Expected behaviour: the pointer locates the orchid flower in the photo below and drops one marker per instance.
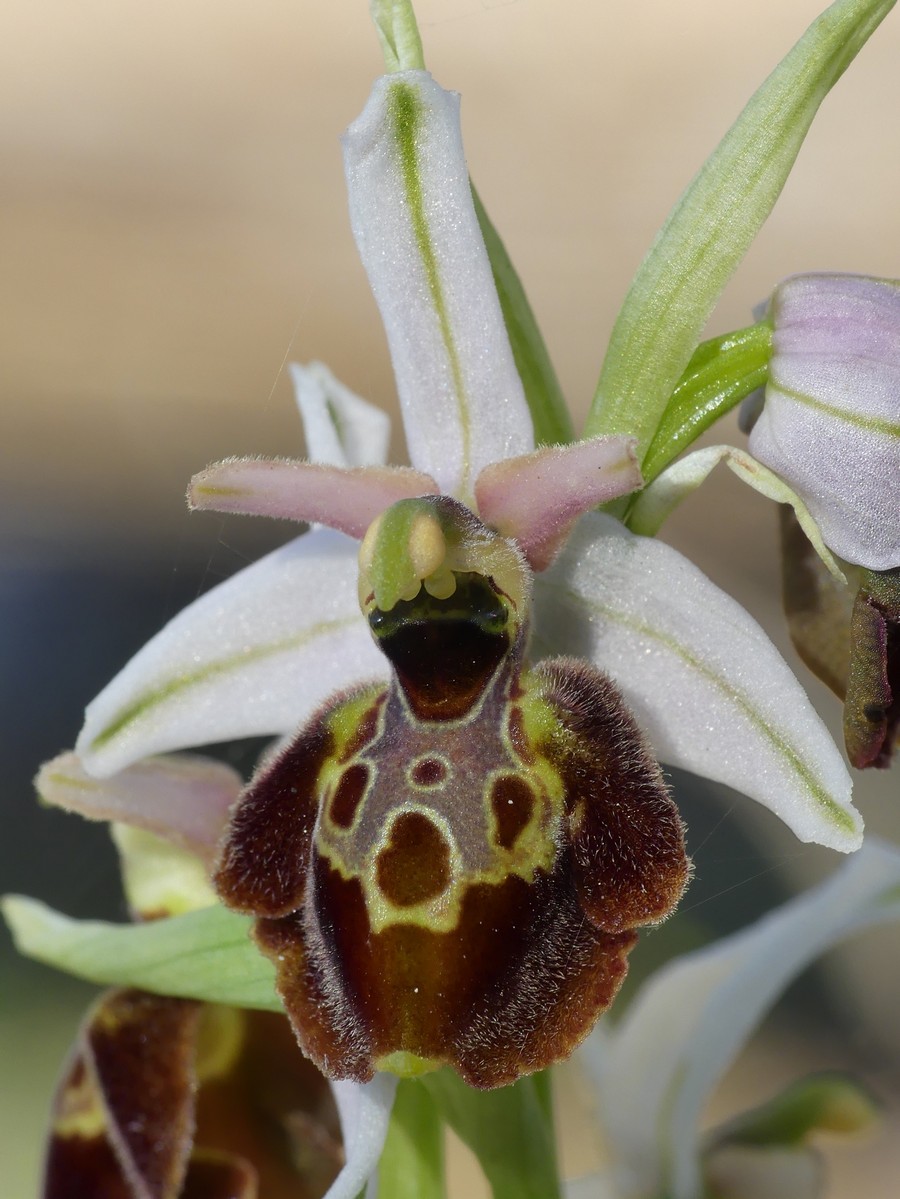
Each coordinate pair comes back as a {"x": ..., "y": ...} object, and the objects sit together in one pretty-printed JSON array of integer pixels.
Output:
[
  {"x": 261, "y": 652},
  {"x": 654, "y": 1071},
  {"x": 830, "y": 425},
  {"x": 468, "y": 667},
  {"x": 168, "y": 1096},
  {"x": 824, "y": 442}
]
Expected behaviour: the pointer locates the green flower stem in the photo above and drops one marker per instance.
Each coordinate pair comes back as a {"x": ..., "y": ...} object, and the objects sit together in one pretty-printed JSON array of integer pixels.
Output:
[
  {"x": 720, "y": 374},
  {"x": 401, "y": 45},
  {"x": 395, "y": 23},
  {"x": 412, "y": 1164},
  {"x": 712, "y": 225},
  {"x": 546, "y": 402},
  {"x": 509, "y": 1130}
]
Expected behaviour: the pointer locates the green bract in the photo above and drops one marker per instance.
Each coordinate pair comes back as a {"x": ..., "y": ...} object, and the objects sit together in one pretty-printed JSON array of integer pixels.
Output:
[{"x": 711, "y": 227}]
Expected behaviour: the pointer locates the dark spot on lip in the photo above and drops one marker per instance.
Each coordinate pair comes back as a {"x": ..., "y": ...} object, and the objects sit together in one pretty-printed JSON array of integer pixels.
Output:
[
  {"x": 414, "y": 866},
  {"x": 512, "y": 800},
  {"x": 428, "y": 772},
  {"x": 348, "y": 794}
]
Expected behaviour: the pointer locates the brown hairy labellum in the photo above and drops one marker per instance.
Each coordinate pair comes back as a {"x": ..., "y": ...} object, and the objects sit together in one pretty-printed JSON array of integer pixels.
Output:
[
  {"x": 170, "y": 1099},
  {"x": 448, "y": 870}
]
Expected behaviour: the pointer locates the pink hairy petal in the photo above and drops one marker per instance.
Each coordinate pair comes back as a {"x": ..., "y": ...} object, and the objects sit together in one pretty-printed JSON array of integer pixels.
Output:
[
  {"x": 537, "y": 497},
  {"x": 182, "y": 797},
  {"x": 347, "y": 499}
]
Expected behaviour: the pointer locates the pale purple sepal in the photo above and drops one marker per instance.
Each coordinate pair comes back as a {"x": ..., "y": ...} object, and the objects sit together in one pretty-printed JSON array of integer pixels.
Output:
[
  {"x": 536, "y": 498},
  {"x": 704, "y": 681},
  {"x": 340, "y": 427},
  {"x": 655, "y": 1070},
  {"x": 256, "y": 655},
  {"x": 365, "y": 1112},
  {"x": 414, "y": 222},
  {"x": 831, "y": 421},
  {"x": 343, "y": 499},
  {"x": 184, "y": 798}
]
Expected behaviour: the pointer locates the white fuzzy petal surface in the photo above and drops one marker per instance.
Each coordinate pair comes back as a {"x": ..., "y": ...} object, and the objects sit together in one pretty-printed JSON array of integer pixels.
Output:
[
  {"x": 256, "y": 655},
  {"x": 414, "y": 222},
  {"x": 704, "y": 681}
]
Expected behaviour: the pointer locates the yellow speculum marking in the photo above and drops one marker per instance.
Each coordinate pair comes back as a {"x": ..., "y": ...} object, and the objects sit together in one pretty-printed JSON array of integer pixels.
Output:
[
  {"x": 220, "y": 1038},
  {"x": 344, "y": 722},
  {"x": 533, "y": 849},
  {"x": 81, "y": 1112},
  {"x": 407, "y": 1065}
]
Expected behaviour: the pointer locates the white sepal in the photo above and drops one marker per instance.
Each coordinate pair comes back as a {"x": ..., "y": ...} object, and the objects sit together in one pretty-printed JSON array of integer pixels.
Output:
[
  {"x": 340, "y": 427},
  {"x": 254, "y": 656},
  {"x": 657, "y": 502},
  {"x": 414, "y": 222},
  {"x": 705, "y": 682},
  {"x": 830, "y": 425}
]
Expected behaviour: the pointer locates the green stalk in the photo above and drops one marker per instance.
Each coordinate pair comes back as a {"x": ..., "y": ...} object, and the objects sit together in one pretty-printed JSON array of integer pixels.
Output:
[
  {"x": 412, "y": 1163},
  {"x": 510, "y": 1131},
  {"x": 546, "y": 402},
  {"x": 721, "y": 372},
  {"x": 711, "y": 227}
]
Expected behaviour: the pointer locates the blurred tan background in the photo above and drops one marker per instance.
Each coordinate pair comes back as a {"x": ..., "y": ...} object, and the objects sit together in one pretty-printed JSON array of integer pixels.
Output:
[{"x": 174, "y": 230}]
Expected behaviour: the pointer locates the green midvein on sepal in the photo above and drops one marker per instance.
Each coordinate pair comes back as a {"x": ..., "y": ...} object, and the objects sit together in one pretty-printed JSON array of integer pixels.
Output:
[
  {"x": 406, "y": 116},
  {"x": 401, "y": 45},
  {"x": 153, "y": 697},
  {"x": 206, "y": 955}
]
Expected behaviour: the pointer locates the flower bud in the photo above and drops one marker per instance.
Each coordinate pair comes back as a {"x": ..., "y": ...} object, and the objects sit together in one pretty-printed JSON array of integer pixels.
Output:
[{"x": 830, "y": 426}]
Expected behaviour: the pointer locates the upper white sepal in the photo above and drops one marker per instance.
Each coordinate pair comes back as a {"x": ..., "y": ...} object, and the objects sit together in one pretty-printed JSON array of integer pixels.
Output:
[{"x": 415, "y": 225}]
